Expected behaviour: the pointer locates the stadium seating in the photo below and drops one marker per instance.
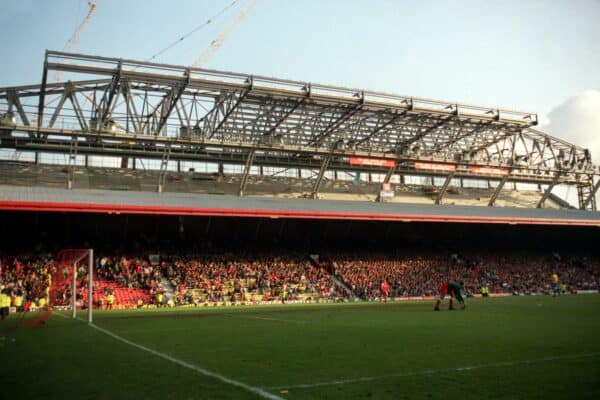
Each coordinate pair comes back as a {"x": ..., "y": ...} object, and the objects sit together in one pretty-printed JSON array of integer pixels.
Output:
[
  {"x": 28, "y": 273},
  {"x": 124, "y": 296},
  {"x": 263, "y": 276},
  {"x": 419, "y": 274},
  {"x": 232, "y": 277}
]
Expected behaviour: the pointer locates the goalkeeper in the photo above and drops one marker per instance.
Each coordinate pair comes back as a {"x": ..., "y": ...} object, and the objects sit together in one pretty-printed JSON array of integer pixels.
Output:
[{"x": 453, "y": 289}]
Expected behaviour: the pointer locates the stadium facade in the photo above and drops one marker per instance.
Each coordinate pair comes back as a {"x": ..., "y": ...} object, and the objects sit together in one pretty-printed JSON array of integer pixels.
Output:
[
  {"x": 123, "y": 149},
  {"x": 193, "y": 135}
]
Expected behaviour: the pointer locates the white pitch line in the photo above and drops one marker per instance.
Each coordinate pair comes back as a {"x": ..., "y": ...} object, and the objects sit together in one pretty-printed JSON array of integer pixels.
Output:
[
  {"x": 205, "y": 372},
  {"x": 431, "y": 371}
]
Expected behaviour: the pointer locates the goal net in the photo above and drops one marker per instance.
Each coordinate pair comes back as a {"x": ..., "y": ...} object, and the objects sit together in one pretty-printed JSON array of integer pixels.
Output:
[{"x": 74, "y": 279}]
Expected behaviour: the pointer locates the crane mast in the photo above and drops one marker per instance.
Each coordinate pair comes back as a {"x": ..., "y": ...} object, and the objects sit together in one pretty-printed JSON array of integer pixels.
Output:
[
  {"x": 216, "y": 44},
  {"x": 74, "y": 40}
]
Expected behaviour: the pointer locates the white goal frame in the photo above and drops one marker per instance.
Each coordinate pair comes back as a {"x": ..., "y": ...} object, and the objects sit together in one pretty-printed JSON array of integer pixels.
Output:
[{"x": 74, "y": 262}]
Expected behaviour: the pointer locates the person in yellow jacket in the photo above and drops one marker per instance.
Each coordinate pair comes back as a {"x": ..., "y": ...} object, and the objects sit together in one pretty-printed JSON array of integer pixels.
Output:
[
  {"x": 110, "y": 299},
  {"x": 485, "y": 291},
  {"x": 563, "y": 288},
  {"x": 554, "y": 284},
  {"x": 18, "y": 301},
  {"x": 4, "y": 303},
  {"x": 41, "y": 302}
]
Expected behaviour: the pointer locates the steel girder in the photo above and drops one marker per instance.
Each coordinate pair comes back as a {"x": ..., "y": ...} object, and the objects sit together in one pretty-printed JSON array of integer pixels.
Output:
[
  {"x": 444, "y": 188},
  {"x": 590, "y": 201},
  {"x": 548, "y": 191},
  {"x": 247, "y": 167},
  {"x": 324, "y": 164},
  {"x": 125, "y": 104},
  {"x": 497, "y": 191}
]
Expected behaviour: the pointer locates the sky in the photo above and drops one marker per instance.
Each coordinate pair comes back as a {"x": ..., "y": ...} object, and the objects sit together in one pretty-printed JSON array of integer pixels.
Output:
[{"x": 533, "y": 56}]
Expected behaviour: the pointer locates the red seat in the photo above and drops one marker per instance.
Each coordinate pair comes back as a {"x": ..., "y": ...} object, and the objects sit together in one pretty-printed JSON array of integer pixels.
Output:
[{"x": 123, "y": 295}]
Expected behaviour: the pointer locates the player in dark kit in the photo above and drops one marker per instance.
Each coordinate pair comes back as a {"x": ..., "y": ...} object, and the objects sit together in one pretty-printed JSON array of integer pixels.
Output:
[{"x": 453, "y": 289}]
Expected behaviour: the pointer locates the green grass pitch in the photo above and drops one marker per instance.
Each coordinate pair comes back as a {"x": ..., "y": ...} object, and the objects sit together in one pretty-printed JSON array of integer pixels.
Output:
[{"x": 500, "y": 348}]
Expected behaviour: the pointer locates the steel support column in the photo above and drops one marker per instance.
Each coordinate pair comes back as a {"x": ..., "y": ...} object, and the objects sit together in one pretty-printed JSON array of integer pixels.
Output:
[
  {"x": 66, "y": 95},
  {"x": 591, "y": 199},
  {"x": 546, "y": 194},
  {"x": 247, "y": 168},
  {"x": 106, "y": 103},
  {"x": 386, "y": 179},
  {"x": 496, "y": 193},
  {"x": 72, "y": 162},
  {"x": 163, "y": 168},
  {"x": 170, "y": 100},
  {"x": 13, "y": 99},
  {"x": 324, "y": 164},
  {"x": 444, "y": 188},
  {"x": 42, "y": 97}
]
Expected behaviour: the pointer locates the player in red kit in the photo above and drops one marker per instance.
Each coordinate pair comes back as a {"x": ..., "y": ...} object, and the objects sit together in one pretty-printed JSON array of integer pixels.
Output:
[
  {"x": 385, "y": 291},
  {"x": 453, "y": 289}
]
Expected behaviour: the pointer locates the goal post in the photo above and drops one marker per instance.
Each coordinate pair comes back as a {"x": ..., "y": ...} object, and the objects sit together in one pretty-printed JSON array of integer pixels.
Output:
[{"x": 72, "y": 258}]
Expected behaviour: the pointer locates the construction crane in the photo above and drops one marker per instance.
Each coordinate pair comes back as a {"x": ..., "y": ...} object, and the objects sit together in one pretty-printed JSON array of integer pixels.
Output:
[
  {"x": 220, "y": 39},
  {"x": 74, "y": 40}
]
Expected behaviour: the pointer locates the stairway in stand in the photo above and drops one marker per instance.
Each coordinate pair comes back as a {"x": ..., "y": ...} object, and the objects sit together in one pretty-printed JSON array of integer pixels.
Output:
[
  {"x": 330, "y": 268},
  {"x": 169, "y": 291}
]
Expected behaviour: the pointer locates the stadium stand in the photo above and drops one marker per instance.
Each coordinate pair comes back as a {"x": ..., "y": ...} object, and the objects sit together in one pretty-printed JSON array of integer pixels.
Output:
[
  {"x": 359, "y": 170},
  {"x": 230, "y": 278},
  {"x": 129, "y": 280},
  {"x": 29, "y": 275},
  {"x": 52, "y": 176},
  {"x": 420, "y": 274},
  {"x": 261, "y": 276},
  {"x": 124, "y": 296}
]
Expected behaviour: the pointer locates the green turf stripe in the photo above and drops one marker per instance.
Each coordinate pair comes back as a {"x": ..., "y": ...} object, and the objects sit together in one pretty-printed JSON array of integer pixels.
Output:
[{"x": 205, "y": 372}]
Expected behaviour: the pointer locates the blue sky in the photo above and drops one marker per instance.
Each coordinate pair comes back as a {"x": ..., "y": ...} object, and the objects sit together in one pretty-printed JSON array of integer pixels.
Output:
[
  {"x": 525, "y": 55},
  {"x": 535, "y": 56}
]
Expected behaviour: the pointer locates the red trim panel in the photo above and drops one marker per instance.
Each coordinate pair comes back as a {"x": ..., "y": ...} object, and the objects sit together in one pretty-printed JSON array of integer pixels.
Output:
[
  {"x": 260, "y": 213},
  {"x": 372, "y": 161}
]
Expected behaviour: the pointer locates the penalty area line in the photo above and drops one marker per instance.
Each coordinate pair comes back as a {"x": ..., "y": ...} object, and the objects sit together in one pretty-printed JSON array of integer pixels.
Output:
[
  {"x": 433, "y": 371},
  {"x": 256, "y": 390}
]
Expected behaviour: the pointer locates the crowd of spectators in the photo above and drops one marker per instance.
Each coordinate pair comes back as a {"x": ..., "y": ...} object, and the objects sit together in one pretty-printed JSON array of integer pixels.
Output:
[
  {"x": 221, "y": 277},
  {"x": 231, "y": 277},
  {"x": 28, "y": 278},
  {"x": 228, "y": 276},
  {"x": 131, "y": 272},
  {"x": 420, "y": 274}
]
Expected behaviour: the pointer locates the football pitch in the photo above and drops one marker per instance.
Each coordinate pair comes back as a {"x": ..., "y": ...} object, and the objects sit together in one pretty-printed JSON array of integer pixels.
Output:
[{"x": 498, "y": 348}]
